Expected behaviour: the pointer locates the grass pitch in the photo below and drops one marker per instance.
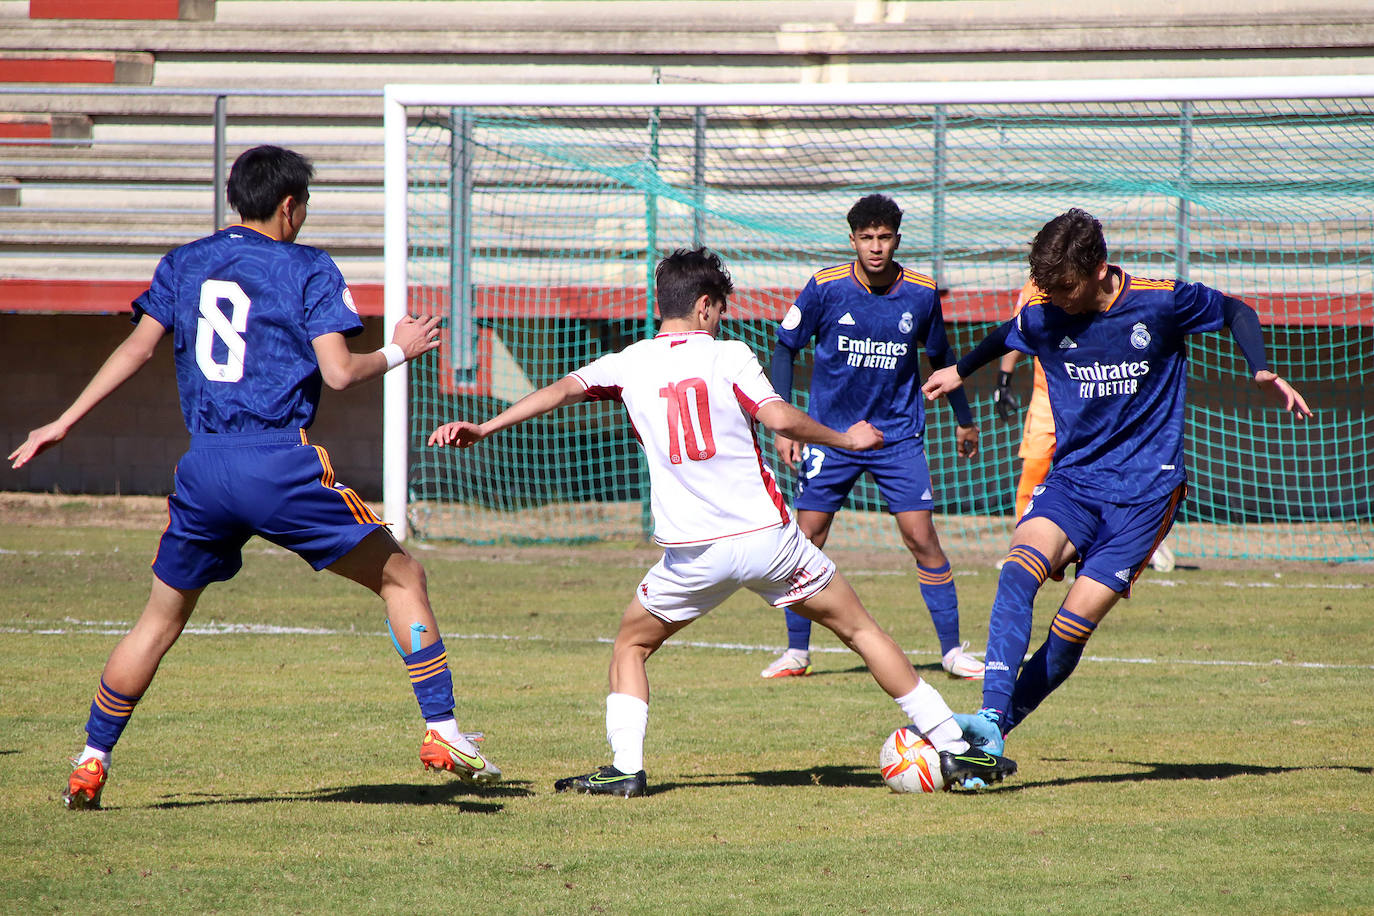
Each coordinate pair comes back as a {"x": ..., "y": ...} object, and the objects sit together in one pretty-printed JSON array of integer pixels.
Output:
[{"x": 1214, "y": 752}]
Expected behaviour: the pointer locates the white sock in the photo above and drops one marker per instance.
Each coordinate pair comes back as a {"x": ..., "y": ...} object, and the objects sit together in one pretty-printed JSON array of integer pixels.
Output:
[
  {"x": 88, "y": 752},
  {"x": 933, "y": 718},
  {"x": 627, "y": 719},
  {"x": 445, "y": 728}
]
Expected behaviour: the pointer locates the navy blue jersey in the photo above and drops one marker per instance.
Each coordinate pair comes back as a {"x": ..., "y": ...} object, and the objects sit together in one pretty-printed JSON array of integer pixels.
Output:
[
  {"x": 243, "y": 309},
  {"x": 1117, "y": 383},
  {"x": 865, "y": 367}
]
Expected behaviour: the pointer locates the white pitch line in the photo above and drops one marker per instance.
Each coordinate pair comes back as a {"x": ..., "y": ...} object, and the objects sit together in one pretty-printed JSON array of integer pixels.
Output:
[{"x": 211, "y": 628}]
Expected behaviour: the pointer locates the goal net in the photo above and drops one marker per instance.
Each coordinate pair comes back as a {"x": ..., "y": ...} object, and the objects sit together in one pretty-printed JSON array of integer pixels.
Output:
[{"x": 531, "y": 217}]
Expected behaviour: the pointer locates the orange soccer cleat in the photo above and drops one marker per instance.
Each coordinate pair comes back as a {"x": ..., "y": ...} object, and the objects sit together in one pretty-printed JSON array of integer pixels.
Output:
[
  {"x": 463, "y": 759},
  {"x": 85, "y": 784}
]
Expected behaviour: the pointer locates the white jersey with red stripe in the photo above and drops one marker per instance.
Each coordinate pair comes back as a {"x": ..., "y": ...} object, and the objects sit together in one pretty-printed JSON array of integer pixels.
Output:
[{"x": 692, "y": 400}]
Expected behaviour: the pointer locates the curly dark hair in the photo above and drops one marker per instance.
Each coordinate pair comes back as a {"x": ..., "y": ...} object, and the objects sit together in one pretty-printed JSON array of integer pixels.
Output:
[{"x": 875, "y": 210}]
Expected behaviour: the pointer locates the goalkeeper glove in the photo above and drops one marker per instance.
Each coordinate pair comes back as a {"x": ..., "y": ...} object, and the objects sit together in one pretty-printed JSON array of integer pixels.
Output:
[{"x": 1003, "y": 399}]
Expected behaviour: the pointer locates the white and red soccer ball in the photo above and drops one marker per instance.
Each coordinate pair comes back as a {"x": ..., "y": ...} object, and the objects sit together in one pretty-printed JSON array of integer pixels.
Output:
[{"x": 909, "y": 763}]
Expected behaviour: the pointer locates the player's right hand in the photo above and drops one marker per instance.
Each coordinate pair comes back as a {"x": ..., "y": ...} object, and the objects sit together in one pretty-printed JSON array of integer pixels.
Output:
[
  {"x": 417, "y": 336},
  {"x": 39, "y": 440},
  {"x": 459, "y": 433},
  {"x": 789, "y": 450},
  {"x": 864, "y": 436},
  {"x": 1004, "y": 399}
]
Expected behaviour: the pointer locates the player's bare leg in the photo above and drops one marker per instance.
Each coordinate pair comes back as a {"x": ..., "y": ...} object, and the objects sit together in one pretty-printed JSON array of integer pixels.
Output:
[
  {"x": 917, "y": 528},
  {"x": 381, "y": 565},
  {"x": 627, "y": 707},
  {"x": 135, "y": 659},
  {"x": 837, "y": 608},
  {"x": 127, "y": 674}
]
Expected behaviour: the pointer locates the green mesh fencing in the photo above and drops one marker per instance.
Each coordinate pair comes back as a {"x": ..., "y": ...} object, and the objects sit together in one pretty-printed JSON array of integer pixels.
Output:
[{"x": 536, "y": 231}]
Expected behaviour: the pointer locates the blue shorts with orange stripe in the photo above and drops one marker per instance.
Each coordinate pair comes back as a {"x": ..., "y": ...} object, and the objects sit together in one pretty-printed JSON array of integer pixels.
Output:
[
  {"x": 1114, "y": 540},
  {"x": 273, "y": 484}
]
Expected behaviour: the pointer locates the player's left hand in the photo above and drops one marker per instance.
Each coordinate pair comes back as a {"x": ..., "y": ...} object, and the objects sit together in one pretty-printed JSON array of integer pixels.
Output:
[
  {"x": 941, "y": 382},
  {"x": 39, "y": 441},
  {"x": 417, "y": 336},
  {"x": 459, "y": 433},
  {"x": 1285, "y": 393},
  {"x": 966, "y": 437}
]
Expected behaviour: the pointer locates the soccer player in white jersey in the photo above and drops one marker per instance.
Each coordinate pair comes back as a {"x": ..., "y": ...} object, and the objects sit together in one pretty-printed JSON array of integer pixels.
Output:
[
  {"x": 694, "y": 402},
  {"x": 258, "y": 324},
  {"x": 1114, "y": 350}
]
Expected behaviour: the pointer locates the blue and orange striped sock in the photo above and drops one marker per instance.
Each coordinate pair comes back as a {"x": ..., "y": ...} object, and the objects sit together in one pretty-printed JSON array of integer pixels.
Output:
[
  {"x": 1024, "y": 571},
  {"x": 1051, "y": 665},
  {"x": 431, "y": 680},
  {"x": 798, "y": 631},
  {"x": 942, "y": 600},
  {"x": 110, "y": 712}
]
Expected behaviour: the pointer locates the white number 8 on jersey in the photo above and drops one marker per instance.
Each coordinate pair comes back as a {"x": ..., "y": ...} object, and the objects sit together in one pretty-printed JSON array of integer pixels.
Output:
[{"x": 213, "y": 324}]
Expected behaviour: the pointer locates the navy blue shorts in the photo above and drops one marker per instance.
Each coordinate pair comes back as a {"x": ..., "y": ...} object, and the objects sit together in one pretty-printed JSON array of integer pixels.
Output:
[
  {"x": 273, "y": 484},
  {"x": 1114, "y": 540},
  {"x": 826, "y": 476}
]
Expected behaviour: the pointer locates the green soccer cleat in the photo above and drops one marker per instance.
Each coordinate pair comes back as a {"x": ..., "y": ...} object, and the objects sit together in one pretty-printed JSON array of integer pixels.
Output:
[
  {"x": 974, "y": 769},
  {"x": 605, "y": 781}
]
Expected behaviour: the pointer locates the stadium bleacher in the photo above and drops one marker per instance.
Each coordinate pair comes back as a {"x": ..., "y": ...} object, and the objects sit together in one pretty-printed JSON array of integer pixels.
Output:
[{"x": 107, "y": 127}]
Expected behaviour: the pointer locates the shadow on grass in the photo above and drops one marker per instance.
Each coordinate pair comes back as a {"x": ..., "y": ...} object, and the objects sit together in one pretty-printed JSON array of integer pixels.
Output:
[
  {"x": 844, "y": 777},
  {"x": 466, "y": 797},
  {"x": 1173, "y": 771},
  {"x": 930, "y": 671},
  {"x": 833, "y": 777}
]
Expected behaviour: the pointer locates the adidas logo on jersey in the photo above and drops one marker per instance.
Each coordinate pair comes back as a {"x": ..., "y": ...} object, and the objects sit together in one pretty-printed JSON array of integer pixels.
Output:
[
  {"x": 846, "y": 318},
  {"x": 1124, "y": 575},
  {"x": 1067, "y": 344}
]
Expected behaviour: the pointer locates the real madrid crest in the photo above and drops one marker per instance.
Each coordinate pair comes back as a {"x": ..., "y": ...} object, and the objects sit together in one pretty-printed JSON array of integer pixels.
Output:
[
  {"x": 904, "y": 325},
  {"x": 1140, "y": 337}
]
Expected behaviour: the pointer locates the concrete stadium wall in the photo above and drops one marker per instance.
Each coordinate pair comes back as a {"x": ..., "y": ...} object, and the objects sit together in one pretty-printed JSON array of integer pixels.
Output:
[{"x": 131, "y": 442}]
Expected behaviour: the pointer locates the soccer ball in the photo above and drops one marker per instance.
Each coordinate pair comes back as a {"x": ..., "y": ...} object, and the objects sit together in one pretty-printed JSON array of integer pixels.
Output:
[{"x": 909, "y": 763}]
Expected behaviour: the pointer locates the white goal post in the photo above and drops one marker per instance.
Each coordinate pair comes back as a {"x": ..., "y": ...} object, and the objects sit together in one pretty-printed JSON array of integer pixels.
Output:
[{"x": 401, "y": 100}]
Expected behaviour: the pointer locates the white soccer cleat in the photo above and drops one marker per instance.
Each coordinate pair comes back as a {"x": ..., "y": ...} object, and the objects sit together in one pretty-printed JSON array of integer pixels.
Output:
[
  {"x": 1163, "y": 558},
  {"x": 959, "y": 663},
  {"x": 791, "y": 663}
]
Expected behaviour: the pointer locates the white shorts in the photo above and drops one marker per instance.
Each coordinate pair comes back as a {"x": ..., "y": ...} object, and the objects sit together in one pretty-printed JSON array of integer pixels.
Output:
[{"x": 779, "y": 564}]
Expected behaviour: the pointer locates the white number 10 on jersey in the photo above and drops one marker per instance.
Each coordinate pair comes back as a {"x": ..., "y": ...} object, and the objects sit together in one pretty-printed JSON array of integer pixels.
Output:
[{"x": 213, "y": 324}]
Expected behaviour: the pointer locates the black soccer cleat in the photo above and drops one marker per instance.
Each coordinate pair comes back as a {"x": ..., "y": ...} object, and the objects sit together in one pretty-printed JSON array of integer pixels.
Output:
[
  {"x": 974, "y": 769},
  {"x": 607, "y": 781}
]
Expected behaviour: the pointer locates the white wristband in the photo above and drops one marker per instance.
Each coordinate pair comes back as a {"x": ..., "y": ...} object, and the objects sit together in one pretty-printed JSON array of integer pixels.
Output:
[{"x": 394, "y": 355}]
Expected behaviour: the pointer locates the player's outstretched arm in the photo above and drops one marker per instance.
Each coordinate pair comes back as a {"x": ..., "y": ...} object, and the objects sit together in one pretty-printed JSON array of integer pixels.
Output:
[
  {"x": 341, "y": 368},
  {"x": 782, "y": 418},
  {"x": 1284, "y": 393},
  {"x": 565, "y": 391},
  {"x": 130, "y": 356}
]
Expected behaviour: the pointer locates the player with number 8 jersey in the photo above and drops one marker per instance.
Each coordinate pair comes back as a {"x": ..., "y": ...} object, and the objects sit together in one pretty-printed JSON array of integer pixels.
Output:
[{"x": 258, "y": 326}]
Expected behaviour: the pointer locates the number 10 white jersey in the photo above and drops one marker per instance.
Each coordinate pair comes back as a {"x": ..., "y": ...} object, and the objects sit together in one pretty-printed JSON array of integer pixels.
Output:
[{"x": 692, "y": 400}]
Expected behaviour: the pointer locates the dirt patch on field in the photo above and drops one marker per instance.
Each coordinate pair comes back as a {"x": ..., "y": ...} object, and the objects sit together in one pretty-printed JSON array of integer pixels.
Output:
[{"x": 61, "y": 510}]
